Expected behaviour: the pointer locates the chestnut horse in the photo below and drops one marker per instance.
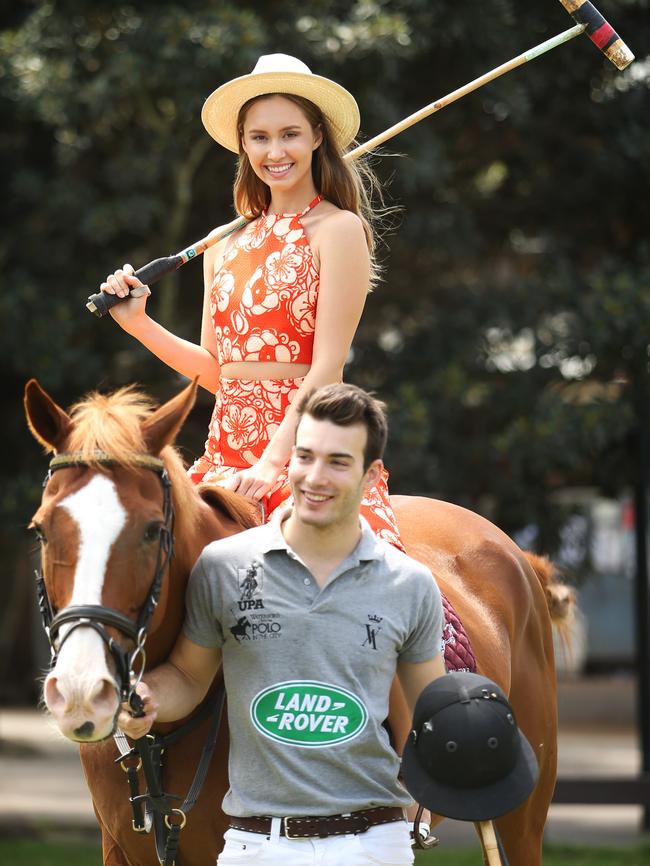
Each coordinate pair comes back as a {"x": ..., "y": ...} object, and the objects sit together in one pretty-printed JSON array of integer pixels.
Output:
[{"x": 100, "y": 523}]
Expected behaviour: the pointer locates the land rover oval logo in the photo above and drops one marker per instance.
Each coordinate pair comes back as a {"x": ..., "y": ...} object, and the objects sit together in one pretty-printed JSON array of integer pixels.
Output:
[{"x": 308, "y": 713}]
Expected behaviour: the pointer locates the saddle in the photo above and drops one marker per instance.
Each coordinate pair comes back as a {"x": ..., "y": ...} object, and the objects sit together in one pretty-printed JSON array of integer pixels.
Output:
[{"x": 456, "y": 644}]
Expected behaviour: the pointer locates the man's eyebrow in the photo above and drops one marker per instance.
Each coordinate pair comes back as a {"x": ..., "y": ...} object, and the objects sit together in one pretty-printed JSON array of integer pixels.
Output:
[{"x": 338, "y": 455}]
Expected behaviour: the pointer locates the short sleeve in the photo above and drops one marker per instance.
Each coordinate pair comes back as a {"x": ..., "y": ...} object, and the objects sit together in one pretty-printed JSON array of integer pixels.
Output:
[
  {"x": 203, "y": 606},
  {"x": 424, "y": 640}
]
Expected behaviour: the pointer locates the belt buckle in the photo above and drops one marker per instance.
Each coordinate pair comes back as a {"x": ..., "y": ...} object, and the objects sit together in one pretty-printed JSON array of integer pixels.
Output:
[{"x": 287, "y": 829}]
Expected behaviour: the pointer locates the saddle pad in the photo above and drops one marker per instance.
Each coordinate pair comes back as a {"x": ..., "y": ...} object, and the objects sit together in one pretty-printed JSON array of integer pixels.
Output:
[{"x": 455, "y": 642}]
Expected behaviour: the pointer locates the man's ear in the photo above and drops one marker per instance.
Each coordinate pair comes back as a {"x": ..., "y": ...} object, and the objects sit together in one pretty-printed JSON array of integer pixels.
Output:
[{"x": 373, "y": 474}]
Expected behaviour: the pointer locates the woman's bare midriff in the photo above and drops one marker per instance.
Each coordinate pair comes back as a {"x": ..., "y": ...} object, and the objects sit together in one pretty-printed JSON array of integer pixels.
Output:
[{"x": 263, "y": 370}]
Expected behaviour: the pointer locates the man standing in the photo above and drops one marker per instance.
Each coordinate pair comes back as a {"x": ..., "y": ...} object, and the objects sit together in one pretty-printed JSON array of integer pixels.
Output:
[{"x": 311, "y": 614}]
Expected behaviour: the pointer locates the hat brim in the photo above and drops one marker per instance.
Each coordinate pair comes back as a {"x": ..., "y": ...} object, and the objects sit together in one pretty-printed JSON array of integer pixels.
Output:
[
  {"x": 472, "y": 804},
  {"x": 221, "y": 108}
]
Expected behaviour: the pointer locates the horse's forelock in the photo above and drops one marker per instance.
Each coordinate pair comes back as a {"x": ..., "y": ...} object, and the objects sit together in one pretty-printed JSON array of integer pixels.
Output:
[{"x": 111, "y": 423}]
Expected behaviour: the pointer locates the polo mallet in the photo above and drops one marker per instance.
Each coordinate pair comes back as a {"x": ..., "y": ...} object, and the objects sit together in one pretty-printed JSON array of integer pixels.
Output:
[
  {"x": 588, "y": 20},
  {"x": 490, "y": 843},
  {"x": 487, "y": 833}
]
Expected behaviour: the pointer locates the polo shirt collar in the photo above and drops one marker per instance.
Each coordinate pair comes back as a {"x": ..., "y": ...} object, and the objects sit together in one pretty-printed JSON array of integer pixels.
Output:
[{"x": 368, "y": 548}]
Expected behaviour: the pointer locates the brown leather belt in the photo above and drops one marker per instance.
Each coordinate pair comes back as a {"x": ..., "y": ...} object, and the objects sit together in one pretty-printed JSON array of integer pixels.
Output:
[{"x": 314, "y": 825}]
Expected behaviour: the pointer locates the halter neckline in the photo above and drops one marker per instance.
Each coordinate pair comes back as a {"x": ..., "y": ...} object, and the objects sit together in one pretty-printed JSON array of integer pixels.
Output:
[{"x": 311, "y": 205}]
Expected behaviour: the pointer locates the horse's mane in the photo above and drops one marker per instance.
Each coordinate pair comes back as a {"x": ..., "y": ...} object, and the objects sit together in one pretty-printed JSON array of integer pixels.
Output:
[
  {"x": 239, "y": 509},
  {"x": 111, "y": 423}
]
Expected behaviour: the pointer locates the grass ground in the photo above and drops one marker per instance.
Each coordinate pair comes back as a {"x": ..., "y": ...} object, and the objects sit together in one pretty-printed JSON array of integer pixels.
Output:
[{"x": 22, "y": 852}]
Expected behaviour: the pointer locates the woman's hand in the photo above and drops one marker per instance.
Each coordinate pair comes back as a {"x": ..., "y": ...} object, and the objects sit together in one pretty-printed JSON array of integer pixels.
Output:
[
  {"x": 255, "y": 482},
  {"x": 121, "y": 283}
]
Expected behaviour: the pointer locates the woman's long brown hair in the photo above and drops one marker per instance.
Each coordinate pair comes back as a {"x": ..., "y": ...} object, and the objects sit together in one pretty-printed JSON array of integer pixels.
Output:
[{"x": 348, "y": 185}]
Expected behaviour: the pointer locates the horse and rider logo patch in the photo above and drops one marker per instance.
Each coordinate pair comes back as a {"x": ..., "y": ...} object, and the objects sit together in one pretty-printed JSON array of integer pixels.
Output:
[
  {"x": 250, "y": 582},
  {"x": 308, "y": 713},
  {"x": 250, "y": 625}
]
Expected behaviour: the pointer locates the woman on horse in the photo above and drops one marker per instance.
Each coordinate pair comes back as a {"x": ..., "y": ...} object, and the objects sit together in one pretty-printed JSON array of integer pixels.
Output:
[{"x": 283, "y": 295}]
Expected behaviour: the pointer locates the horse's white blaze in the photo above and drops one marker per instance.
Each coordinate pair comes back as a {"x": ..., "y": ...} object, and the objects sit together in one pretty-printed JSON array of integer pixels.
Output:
[
  {"x": 100, "y": 516},
  {"x": 96, "y": 509}
]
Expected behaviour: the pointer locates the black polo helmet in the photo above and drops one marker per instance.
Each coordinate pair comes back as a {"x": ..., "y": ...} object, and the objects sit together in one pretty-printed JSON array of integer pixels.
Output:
[{"x": 465, "y": 757}]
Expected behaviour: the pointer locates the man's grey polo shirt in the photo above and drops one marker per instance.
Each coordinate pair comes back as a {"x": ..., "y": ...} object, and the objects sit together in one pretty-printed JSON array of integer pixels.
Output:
[{"x": 308, "y": 670}]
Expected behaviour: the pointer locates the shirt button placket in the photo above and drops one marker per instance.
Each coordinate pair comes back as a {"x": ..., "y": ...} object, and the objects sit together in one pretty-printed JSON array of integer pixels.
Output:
[{"x": 311, "y": 589}]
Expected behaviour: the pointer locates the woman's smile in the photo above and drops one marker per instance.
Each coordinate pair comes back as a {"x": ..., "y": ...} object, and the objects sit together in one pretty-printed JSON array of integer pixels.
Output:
[{"x": 279, "y": 170}]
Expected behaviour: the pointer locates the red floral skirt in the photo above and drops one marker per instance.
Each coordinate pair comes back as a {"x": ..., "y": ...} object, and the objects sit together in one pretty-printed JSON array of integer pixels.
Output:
[{"x": 247, "y": 413}]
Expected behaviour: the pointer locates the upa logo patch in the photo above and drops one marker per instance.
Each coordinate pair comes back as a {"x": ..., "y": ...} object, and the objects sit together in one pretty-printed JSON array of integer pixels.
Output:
[
  {"x": 251, "y": 583},
  {"x": 308, "y": 713}
]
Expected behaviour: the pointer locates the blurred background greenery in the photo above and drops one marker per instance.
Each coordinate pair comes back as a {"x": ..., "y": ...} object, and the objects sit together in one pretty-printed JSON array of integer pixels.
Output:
[{"x": 510, "y": 333}]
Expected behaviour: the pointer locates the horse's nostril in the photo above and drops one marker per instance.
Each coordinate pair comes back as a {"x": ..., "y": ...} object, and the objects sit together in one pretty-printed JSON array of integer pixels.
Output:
[
  {"x": 54, "y": 699},
  {"x": 105, "y": 693},
  {"x": 84, "y": 731}
]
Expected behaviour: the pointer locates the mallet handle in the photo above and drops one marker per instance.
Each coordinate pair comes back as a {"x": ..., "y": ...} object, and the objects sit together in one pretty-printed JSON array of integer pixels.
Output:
[
  {"x": 485, "y": 830},
  {"x": 101, "y": 302},
  {"x": 497, "y": 72},
  {"x": 581, "y": 10}
]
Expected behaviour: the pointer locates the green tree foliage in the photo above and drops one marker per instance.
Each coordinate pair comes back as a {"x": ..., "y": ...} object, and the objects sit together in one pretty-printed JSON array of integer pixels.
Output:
[
  {"x": 513, "y": 314},
  {"x": 513, "y": 323}
]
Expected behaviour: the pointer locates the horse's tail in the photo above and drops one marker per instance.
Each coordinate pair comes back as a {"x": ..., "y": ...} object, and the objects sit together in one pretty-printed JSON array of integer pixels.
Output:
[{"x": 560, "y": 598}]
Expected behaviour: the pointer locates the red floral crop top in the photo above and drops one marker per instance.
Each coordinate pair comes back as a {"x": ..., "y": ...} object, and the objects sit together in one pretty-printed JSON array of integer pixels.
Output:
[{"x": 264, "y": 295}]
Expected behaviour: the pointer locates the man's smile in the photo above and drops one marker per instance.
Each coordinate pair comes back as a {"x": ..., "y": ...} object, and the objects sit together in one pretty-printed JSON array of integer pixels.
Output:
[{"x": 315, "y": 497}]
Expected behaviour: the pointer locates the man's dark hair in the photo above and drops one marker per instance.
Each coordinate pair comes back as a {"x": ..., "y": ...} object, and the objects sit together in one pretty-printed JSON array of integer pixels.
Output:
[{"x": 346, "y": 405}]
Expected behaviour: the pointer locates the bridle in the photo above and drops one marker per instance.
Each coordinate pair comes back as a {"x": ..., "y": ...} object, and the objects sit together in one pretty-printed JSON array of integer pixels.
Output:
[
  {"x": 98, "y": 616},
  {"x": 161, "y": 809}
]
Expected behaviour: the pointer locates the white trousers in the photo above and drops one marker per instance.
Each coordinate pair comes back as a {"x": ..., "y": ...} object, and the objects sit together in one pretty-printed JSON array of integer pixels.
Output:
[{"x": 381, "y": 845}]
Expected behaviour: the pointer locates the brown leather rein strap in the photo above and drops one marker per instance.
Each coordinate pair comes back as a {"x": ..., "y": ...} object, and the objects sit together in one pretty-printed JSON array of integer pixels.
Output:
[{"x": 316, "y": 826}]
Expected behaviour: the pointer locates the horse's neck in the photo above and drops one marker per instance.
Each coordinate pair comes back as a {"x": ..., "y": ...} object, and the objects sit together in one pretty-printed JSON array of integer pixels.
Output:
[{"x": 213, "y": 525}]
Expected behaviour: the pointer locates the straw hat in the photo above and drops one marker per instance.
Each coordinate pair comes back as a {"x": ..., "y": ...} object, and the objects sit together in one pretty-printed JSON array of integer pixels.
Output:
[{"x": 279, "y": 73}]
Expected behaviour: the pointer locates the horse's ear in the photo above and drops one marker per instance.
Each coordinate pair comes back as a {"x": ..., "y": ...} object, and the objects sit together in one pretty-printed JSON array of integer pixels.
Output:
[
  {"x": 162, "y": 427},
  {"x": 49, "y": 424}
]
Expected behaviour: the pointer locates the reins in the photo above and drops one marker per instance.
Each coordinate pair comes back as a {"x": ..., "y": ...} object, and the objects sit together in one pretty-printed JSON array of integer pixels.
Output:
[{"x": 160, "y": 812}]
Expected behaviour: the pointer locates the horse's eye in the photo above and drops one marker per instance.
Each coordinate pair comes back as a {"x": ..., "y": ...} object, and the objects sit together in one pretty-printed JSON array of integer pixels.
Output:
[{"x": 152, "y": 532}]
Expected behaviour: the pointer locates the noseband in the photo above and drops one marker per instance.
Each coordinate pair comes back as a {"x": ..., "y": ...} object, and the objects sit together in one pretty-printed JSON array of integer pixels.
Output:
[{"x": 97, "y": 616}]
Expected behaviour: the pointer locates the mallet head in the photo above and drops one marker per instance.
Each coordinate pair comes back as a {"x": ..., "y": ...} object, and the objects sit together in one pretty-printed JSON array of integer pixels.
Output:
[{"x": 599, "y": 31}]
